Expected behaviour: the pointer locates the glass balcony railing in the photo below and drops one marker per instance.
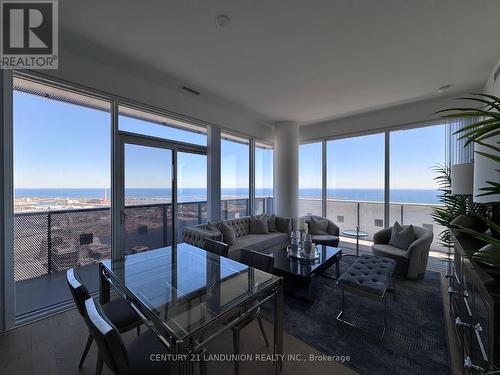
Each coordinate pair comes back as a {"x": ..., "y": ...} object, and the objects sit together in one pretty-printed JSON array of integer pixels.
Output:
[
  {"x": 48, "y": 242},
  {"x": 370, "y": 215}
]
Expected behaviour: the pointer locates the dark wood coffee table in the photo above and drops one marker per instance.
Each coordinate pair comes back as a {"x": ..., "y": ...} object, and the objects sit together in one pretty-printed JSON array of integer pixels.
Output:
[{"x": 298, "y": 272}]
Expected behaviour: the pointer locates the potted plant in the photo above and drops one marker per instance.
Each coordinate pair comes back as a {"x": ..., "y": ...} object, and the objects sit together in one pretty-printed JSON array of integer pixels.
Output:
[
  {"x": 484, "y": 129},
  {"x": 451, "y": 207}
]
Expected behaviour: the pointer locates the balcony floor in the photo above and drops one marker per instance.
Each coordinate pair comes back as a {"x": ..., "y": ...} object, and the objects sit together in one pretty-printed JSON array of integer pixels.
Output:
[{"x": 50, "y": 290}]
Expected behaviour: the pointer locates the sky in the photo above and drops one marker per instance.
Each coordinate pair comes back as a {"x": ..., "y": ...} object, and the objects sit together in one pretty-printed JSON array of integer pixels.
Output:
[
  {"x": 358, "y": 162},
  {"x": 61, "y": 145}
]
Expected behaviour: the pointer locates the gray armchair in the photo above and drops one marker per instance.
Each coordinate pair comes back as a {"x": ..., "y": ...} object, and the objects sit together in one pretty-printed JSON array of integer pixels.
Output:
[
  {"x": 411, "y": 263},
  {"x": 330, "y": 238}
]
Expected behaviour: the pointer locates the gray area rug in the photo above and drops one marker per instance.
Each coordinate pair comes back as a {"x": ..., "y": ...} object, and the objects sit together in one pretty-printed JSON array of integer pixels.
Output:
[{"x": 415, "y": 341}]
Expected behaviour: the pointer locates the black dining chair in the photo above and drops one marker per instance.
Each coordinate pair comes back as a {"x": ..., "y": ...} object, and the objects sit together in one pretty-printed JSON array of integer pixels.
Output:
[
  {"x": 216, "y": 247},
  {"x": 133, "y": 359},
  {"x": 262, "y": 262},
  {"x": 119, "y": 311}
]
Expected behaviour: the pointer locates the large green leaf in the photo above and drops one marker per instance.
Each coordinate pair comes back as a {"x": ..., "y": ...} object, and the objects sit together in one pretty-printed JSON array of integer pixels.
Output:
[{"x": 482, "y": 236}]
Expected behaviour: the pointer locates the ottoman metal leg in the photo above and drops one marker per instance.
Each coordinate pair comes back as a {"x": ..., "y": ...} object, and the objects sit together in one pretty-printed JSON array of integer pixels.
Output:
[{"x": 341, "y": 313}]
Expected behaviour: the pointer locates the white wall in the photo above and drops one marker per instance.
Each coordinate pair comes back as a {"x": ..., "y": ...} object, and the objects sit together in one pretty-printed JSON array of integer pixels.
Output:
[
  {"x": 405, "y": 114},
  {"x": 83, "y": 70}
]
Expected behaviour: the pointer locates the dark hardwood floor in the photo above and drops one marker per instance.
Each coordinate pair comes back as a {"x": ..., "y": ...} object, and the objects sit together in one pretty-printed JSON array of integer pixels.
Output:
[{"x": 54, "y": 346}]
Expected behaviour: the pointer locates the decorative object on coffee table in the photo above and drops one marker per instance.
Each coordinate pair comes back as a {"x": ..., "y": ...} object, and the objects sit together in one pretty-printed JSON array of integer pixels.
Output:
[{"x": 301, "y": 272}]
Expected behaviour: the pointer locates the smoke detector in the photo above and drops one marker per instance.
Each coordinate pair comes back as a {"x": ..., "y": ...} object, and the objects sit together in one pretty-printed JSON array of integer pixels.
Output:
[{"x": 222, "y": 20}]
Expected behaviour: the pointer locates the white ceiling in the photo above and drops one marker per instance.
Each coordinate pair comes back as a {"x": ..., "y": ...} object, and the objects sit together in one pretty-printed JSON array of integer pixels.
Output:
[{"x": 299, "y": 60}]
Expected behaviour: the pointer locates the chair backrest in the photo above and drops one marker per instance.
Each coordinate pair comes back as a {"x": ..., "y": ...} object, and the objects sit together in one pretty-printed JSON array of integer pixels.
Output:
[
  {"x": 216, "y": 247},
  {"x": 78, "y": 290},
  {"x": 257, "y": 260},
  {"x": 108, "y": 339}
]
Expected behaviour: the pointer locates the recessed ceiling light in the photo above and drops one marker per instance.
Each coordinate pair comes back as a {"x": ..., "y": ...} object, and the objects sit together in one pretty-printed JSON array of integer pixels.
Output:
[
  {"x": 444, "y": 88},
  {"x": 222, "y": 20}
]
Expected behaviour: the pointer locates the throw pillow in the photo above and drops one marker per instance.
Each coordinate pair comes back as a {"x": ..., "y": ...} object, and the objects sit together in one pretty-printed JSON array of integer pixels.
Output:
[
  {"x": 402, "y": 237},
  {"x": 271, "y": 223},
  {"x": 212, "y": 227},
  {"x": 258, "y": 224},
  {"x": 228, "y": 233},
  {"x": 318, "y": 226},
  {"x": 283, "y": 224}
]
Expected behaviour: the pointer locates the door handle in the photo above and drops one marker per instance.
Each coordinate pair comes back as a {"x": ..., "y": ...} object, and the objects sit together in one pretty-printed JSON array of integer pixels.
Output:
[{"x": 123, "y": 216}]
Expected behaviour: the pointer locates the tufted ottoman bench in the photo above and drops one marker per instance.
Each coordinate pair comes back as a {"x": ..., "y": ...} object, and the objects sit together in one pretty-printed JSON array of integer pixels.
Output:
[{"x": 369, "y": 276}]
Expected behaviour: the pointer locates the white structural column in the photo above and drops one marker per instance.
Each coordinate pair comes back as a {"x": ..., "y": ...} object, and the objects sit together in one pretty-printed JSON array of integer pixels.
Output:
[
  {"x": 287, "y": 169},
  {"x": 213, "y": 167}
]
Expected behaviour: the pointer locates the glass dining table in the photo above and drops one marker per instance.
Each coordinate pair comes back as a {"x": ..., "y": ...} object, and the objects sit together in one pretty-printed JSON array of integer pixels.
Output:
[{"x": 189, "y": 296}]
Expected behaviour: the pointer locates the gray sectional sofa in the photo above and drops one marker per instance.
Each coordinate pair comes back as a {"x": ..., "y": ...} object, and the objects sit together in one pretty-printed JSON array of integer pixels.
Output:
[{"x": 264, "y": 243}]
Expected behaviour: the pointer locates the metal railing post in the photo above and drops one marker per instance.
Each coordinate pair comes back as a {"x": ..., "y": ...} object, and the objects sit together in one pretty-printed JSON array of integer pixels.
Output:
[
  {"x": 225, "y": 209},
  {"x": 357, "y": 219},
  {"x": 49, "y": 243},
  {"x": 401, "y": 214},
  {"x": 165, "y": 225},
  {"x": 199, "y": 212}
]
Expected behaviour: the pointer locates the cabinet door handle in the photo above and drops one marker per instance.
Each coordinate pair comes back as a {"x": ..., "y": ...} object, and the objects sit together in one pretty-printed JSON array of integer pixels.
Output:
[
  {"x": 459, "y": 323},
  {"x": 469, "y": 365}
]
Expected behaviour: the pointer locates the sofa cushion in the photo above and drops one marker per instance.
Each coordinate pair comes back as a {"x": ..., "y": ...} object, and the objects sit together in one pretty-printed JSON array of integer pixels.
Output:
[
  {"x": 318, "y": 226},
  {"x": 271, "y": 223},
  {"x": 402, "y": 237},
  {"x": 241, "y": 225},
  {"x": 228, "y": 233},
  {"x": 390, "y": 251},
  {"x": 258, "y": 224},
  {"x": 283, "y": 224},
  {"x": 325, "y": 239},
  {"x": 214, "y": 227}
]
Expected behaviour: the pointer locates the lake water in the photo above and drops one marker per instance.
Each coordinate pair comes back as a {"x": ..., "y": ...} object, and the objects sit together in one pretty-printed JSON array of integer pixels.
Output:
[{"x": 195, "y": 194}]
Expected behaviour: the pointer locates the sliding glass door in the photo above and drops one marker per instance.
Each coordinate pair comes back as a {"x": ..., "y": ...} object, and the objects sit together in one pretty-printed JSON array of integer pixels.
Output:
[
  {"x": 147, "y": 212},
  {"x": 191, "y": 191},
  {"x": 355, "y": 183},
  {"x": 414, "y": 190},
  {"x": 161, "y": 179}
]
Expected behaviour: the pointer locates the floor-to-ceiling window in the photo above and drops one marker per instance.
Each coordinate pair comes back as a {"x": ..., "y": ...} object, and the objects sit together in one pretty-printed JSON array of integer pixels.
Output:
[
  {"x": 235, "y": 176},
  {"x": 310, "y": 179},
  {"x": 61, "y": 190},
  {"x": 413, "y": 188},
  {"x": 191, "y": 191},
  {"x": 264, "y": 178},
  {"x": 359, "y": 191},
  {"x": 355, "y": 183},
  {"x": 65, "y": 149}
]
